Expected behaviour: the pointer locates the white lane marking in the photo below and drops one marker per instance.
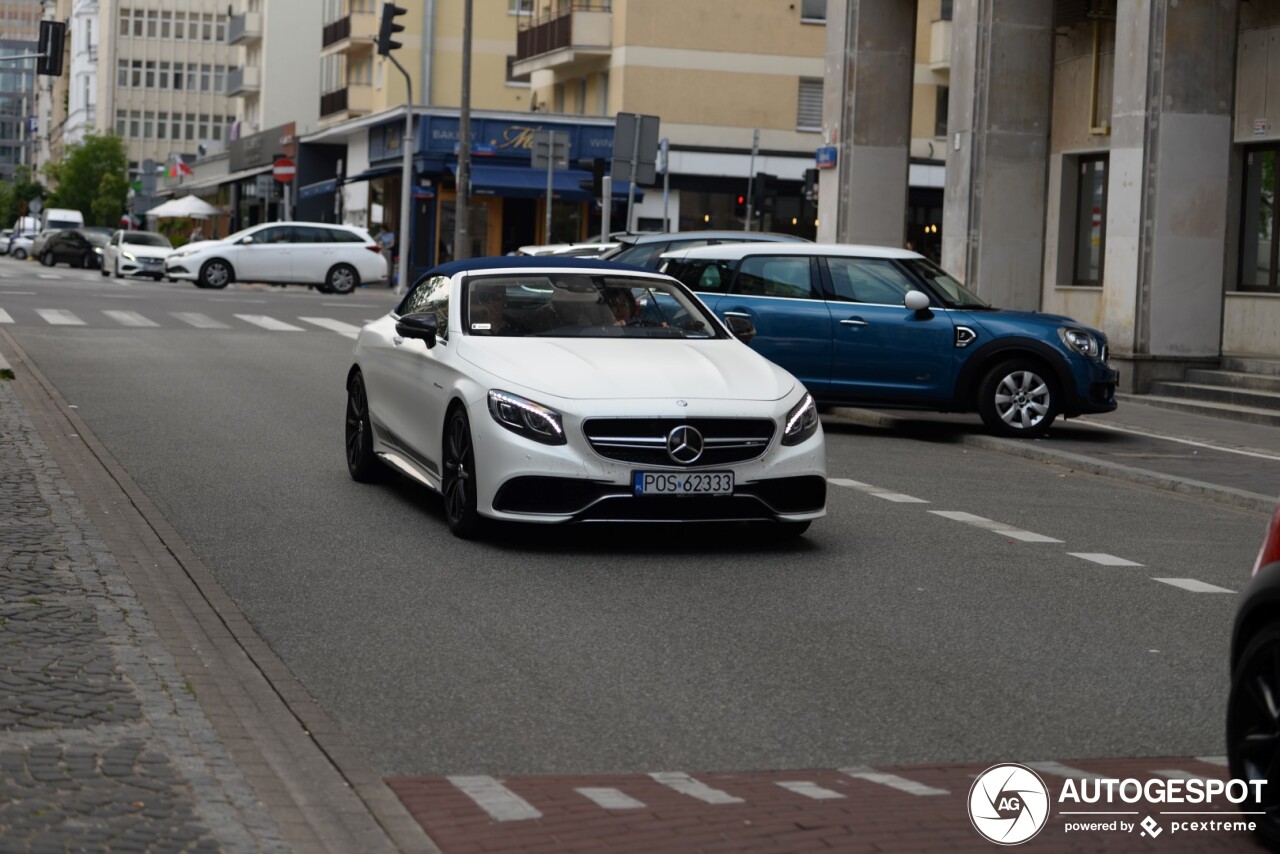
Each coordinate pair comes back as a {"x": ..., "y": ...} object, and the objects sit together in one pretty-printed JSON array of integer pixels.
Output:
[
  {"x": 1192, "y": 442},
  {"x": 877, "y": 491},
  {"x": 129, "y": 318},
  {"x": 809, "y": 790},
  {"x": 199, "y": 321},
  {"x": 1057, "y": 769},
  {"x": 686, "y": 785},
  {"x": 996, "y": 527},
  {"x": 1213, "y": 760},
  {"x": 224, "y": 299},
  {"x": 48, "y": 275},
  {"x": 854, "y": 484},
  {"x": 1176, "y": 774},
  {"x": 1103, "y": 558},
  {"x": 610, "y": 799},
  {"x": 1193, "y": 585},
  {"x": 347, "y": 305},
  {"x": 899, "y": 498},
  {"x": 5, "y": 317},
  {"x": 893, "y": 781},
  {"x": 335, "y": 325},
  {"x": 494, "y": 798},
  {"x": 18, "y": 293},
  {"x": 59, "y": 317},
  {"x": 269, "y": 323}
]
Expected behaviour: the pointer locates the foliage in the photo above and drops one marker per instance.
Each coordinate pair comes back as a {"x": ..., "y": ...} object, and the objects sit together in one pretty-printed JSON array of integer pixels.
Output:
[
  {"x": 91, "y": 179},
  {"x": 13, "y": 194}
]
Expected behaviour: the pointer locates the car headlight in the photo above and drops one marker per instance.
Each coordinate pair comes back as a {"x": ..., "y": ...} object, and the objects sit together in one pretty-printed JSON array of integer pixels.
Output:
[
  {"x": 97, "y": 250},
  {"x": 128, "y": 256},
  {"x": 802, "y": 421},
  {"x": 1080, "y": 341},
  {"x": 531, "y": 420}
]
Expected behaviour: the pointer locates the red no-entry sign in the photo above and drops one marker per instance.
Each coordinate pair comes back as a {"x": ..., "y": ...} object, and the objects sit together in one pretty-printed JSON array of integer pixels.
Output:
[{"x": 284, "y": 170}]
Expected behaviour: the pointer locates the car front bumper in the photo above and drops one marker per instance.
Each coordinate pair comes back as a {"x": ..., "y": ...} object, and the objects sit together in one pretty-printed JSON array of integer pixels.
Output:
[{"x": 1095, "y": 389}]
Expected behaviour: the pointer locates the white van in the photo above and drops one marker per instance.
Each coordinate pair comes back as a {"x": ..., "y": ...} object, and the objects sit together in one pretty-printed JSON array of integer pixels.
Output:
[
  {"x": 60, "y": 218},
  {"x": 26, "y": 225}
]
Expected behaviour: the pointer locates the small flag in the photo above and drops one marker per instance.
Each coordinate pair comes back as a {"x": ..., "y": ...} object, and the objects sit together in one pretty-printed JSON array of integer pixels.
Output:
[{"x": 178, "y": 167}]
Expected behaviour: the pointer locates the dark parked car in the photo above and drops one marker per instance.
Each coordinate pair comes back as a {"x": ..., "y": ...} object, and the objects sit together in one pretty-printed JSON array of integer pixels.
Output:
[
  {"x": 873, "y": 326},
  {"x": 79, "y": 247},
  {"x": 645, "y": 250},
  {"x": 1253, "y": 706}
]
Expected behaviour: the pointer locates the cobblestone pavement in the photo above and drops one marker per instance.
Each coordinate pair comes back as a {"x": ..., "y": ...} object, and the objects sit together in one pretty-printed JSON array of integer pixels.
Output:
[{"x": 102, "y": 743}]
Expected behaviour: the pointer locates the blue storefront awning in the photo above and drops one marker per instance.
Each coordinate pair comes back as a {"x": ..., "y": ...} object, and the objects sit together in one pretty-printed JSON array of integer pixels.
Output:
[
  {"x": 375, "y": 172},
  {"x": 525, "y": 183}
]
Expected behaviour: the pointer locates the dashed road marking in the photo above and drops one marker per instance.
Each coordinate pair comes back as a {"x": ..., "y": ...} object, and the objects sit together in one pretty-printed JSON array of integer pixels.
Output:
[
  {"x": 1193, "y": 585},
  {"x": 686, "y": 785},
  {"x": 130, "y": 318},
  {"x": 59, "y": 317},
  {"x": 334, "y": 325},
  {"x": 494, "y": 798},
  {"x": 1057, "y": 769},
  {"x": 995, "y": 527},
  {"x": 199, "y": 321},
  {"x": 48, "y": 275},
  {"x": 893, "y": 781},
  {"x": 809, "y": 790},
  {"x": 269, "y": 323},
  {"x": 610, "y": 799},
  {"x": 5, "y": 317},
  {"x": 877, "y": 491},
  {"x": 899, "y": 498},
  {"x": 1103, "y": 559}
]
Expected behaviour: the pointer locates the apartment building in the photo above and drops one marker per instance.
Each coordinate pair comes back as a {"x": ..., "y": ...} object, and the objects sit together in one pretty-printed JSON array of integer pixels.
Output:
[
  {"x": 19, "y": 29},
  {"x": 274, "y": 80}
]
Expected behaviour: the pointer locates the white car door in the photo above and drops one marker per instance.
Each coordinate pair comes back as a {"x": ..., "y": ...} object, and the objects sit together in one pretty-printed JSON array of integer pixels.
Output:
[
  {"x": 313, "y": 254},
  {"x": 268, "y": 258}
]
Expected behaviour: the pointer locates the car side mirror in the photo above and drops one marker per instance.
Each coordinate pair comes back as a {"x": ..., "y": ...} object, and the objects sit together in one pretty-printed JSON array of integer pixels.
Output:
[
  {"x": 246, "y": 240},
  {"x": 916, "y": 301},
  {"x": 741, "y": 327},
  {"x": 422, "y": 326}
]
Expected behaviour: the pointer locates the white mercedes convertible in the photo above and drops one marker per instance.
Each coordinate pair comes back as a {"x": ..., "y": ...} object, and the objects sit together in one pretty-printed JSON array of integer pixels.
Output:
[{"x": 560, "y": 390}]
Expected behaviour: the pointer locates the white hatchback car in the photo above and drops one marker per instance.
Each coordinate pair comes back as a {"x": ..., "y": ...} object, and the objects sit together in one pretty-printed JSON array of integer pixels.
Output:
[
  {"x": 136, "y": 253},
  {"x": 333, "y": 258},
  {"x": 564, "y": 390}
]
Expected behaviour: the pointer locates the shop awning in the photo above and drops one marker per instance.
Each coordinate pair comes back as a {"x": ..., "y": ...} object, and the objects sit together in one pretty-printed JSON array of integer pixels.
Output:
[
  {"x": 525, "y": 183},
  {"x": 375, "y": 172}
]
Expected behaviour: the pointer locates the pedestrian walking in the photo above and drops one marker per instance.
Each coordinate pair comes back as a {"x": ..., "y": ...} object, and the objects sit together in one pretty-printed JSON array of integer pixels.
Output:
[{"x": 387, "y": 238}]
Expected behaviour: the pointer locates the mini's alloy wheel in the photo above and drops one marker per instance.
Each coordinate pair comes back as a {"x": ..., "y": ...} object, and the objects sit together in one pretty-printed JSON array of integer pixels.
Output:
[
  {"x": 362, "y": 463},
  {"x": 1018, "y": 398},
  {"x": 459, "y": 482},
  {"x": 1253, "y": 729},
  {"x": 215, "y": 274},
  {"x": 342, "y": 279}
]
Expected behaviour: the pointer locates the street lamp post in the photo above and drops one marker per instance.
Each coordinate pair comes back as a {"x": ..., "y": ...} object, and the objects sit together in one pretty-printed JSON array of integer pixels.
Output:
[{"x": 462, "y": 207}]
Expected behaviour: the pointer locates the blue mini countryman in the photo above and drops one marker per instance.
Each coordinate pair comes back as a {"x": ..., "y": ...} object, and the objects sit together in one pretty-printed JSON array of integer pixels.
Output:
[{"x": 871, "y": 326}]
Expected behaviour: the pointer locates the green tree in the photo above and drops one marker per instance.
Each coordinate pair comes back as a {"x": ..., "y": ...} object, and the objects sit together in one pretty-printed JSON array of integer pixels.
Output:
[
  {"x": 13, "y": 194},
  {"x": 91, "y": 179}
]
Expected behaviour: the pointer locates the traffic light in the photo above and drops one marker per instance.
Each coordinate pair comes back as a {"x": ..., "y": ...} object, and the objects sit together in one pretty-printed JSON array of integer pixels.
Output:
[
  {"x": 811, "y": 185},
  {"x": 740, "y": 207},
  {"x": 389, "y": 28},
  {"x": 762, "y": 193},
  {"x": 53, "y": 35},
  {"x": 595, "y": 184}
]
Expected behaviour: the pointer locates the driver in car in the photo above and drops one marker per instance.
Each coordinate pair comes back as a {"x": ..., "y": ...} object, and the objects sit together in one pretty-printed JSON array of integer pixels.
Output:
[{"x": 489, "y": 311}]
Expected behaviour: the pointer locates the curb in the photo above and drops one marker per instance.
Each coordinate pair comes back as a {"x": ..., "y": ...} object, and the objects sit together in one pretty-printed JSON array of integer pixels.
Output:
[{"x": 1033, "y": 451}]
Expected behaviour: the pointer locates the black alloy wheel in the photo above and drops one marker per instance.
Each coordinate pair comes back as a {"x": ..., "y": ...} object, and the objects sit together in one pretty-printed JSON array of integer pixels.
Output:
[
  {"x": 1253, "y": 729},
  {"x": 342, "y": 279},
  {"x": 363, "y": 465},
  {"x": 459, "y": 482},
  {"x": 1018, "y": 398},
  {"x": 215, "y": 274}
]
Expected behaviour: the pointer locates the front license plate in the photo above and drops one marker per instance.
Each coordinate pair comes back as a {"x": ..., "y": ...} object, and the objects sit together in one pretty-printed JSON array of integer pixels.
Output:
[{"x": 682, "y": 483}]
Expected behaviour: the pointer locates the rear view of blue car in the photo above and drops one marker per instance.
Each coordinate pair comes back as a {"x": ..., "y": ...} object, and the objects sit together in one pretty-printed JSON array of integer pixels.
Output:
[{"x": 871, "y": 326}]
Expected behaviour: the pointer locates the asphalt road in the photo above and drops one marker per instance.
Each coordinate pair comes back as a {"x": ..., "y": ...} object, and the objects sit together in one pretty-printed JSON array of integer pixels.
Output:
[{"x": 888, "y": 634}]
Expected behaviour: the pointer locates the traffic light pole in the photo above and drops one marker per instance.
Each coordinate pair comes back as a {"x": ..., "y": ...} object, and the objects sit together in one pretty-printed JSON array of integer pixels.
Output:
[
  {"x": 462, "y": 207},
  {"x": 404, "y": 235},
  {"x": 751, "y": 177}
]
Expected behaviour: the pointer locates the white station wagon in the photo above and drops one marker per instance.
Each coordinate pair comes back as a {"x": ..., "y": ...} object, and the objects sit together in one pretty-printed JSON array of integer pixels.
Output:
[{"x": 333, "y": 258}]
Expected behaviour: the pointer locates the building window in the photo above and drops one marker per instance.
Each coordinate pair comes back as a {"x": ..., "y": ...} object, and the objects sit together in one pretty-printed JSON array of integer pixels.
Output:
[
  {"x": 180, "y": 25},
  {"x": 944, "y": 13},
  {"x": 164, "y": 75},
  {"x": 177, "y": 75},
  {"x": 153, "y": 18},
  {"x": 558, "y": 104},
  {"x": 582, "y": 96},
  {"x": 519, "y": 7},
  {"x": 134, "y": 119},
  {"x": 602, "y": 91},
  {"x": 513, "y": 80},
  {"x": 138, "y": 22},
  {"x": 122, "y": 73},
  {"x": 942, "y": 99},
  {"x": 813, "y": 11},
  {"x": 148, "y": 121},
  {"x": 809, "y": 104},
  {"x": 1260, "y": 249},
  {"x": 135, "y": 76},
  {"x": 151, "y": 75},
  {"x": 206, "y": 77},
  {"x": 120, "y": 122},
  {"x": 166, "y": 25},
  {"x": 125, "y": 16},
  {"x": 162, "y": 126},
  {"x": 219, "y": 79},
  {"x": 220, "y": 32},
  {"x": 1091, "y": 220}
]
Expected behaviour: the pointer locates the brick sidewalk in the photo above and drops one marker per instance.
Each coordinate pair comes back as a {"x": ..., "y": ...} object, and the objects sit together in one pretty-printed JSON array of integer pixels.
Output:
[{"x": 920, "y": 808}]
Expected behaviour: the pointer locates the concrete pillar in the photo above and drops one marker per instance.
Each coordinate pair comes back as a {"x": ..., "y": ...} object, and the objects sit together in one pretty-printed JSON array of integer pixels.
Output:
[
  {"x": 1168, "y": 190},
  {"x": 993, "y": 214},
  {"x": 867, "y": 104}
]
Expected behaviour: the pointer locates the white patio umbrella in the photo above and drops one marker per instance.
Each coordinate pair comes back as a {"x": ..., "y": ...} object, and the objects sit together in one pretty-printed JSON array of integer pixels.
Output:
[{"x": 187, "y": 206}]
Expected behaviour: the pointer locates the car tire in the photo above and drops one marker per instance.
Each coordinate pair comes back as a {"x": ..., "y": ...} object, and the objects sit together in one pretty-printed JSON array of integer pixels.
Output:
[
  {"x": 363, "y": 465},
  {"x": 458, "y": 485},
  {"x": 46, "y": 258},
  {"x": 119, "y": 275},
  {"x": 1253, "y": 732},
  {"x": 103, "y": 270},
  {"x": 323, "y": 288},
  {"x": 1019, "y": 398},
  {"x": 342, "y": 279},
  {"x": 215, "y": 273},
  {"x": 19, "y": 254}
]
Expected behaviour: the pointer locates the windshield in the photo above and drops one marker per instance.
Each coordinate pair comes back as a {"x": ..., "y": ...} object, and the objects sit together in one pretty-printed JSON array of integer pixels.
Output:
[
  {"x": 97, "y": 238},
  {"x": 953, "y": 294},
  {"x": 142, "y": 238},
  {"x": 575, "y": 305},
  {"x": 59, "y": 224}
]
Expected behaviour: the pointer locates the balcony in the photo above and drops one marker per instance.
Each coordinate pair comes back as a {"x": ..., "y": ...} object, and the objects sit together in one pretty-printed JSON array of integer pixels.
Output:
[
  {"x": 346, "y": 103},
  {"x": 940, "y": 47},
  {"x": 242, "y": 81},
  {"x": 577, "y": 37},
  {"x": 356, "y": 33},
  {"x": 245, "y": 28}
]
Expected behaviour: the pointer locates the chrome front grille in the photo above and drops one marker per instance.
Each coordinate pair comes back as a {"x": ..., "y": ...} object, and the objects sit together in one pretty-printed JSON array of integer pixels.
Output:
[{"x": 643, "y": 441}]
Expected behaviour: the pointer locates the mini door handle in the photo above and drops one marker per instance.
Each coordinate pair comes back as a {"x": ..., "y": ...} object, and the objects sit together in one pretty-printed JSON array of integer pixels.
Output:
[{"x": 854, "y": 321}]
